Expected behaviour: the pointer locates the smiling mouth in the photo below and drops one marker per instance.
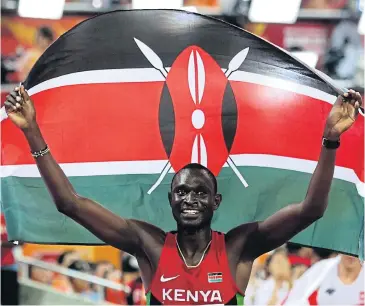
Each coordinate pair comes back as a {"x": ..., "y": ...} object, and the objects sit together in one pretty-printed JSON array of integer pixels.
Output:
[{"x": 190, "y": 212}]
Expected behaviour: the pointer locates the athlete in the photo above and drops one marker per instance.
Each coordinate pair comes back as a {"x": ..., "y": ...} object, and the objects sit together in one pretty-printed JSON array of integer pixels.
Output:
[
  {"x": 332, "y": 281},
  {"x": 194, "y": 265}
]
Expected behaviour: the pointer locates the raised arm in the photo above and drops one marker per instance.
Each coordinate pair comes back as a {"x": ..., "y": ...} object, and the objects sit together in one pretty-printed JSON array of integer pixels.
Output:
[
  {"x": 124, "y": 234},
  {"x": 260, "y": 237}
]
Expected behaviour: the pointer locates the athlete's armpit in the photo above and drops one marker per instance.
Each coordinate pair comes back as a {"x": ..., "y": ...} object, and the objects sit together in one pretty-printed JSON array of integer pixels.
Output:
[{"x": 131, "y": 236}]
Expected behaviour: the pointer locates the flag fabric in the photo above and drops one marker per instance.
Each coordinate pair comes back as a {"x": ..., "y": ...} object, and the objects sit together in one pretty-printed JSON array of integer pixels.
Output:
[{"x": 127, "y": 98}]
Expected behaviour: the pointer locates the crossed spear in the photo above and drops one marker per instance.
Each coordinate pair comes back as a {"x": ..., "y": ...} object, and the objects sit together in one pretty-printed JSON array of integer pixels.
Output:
[{"x": 157, "y": 63}]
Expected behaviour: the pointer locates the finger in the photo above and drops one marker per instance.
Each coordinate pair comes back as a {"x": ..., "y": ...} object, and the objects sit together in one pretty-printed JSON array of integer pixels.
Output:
[
  {"x": 354, "y": 97},
  {"x": 9, "y": 107},
  {"x": 353, "y": 112},
  {"x": 359, "y": 98},
  {"x": 347, "y": 96},
  {"x": 11, "y": 99},
  {"x": 16, "y": 97},
  {"x": 14, "y": 94},
  {"x": 24, "y": 93},
  {"x": 15, "y": 101},
  {"x": 352, "y": 94}
]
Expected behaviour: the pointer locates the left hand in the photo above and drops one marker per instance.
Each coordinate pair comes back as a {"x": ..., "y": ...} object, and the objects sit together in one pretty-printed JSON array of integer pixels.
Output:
[{"x": 343, "y": 114}]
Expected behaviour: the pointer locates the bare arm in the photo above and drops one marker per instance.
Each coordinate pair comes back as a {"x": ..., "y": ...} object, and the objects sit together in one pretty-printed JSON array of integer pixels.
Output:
[
  {"x": 260, "y": 237},
  {"x": 122, "y": 233},
  {"x": 289, "y": 221}
]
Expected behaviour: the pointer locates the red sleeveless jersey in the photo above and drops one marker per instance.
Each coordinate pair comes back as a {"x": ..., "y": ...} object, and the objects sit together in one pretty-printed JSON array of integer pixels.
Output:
[{"x": 210, "y": 283}]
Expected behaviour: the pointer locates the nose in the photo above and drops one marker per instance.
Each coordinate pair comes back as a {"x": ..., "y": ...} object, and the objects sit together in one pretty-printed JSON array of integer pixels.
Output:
[{"x": 191, "y": 198}]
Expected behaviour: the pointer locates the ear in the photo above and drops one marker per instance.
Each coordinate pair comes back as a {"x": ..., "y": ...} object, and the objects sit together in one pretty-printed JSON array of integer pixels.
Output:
[{"x": 217, "y": 200}]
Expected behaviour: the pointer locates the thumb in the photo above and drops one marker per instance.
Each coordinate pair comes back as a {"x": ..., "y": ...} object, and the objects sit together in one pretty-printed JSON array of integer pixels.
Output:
[
  {"x": 24, "y": 94},
  {"x": 355, "y": 110},
  {"x": 341, "y": 99}
]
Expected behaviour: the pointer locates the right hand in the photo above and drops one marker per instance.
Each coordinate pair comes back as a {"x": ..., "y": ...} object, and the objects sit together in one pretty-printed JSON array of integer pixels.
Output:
[{"x": 20, "y": 109}]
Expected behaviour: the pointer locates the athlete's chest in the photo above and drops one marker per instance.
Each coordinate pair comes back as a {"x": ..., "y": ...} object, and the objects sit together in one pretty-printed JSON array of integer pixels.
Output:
[
  {"x": 204, "y": 284},
  {"x": 333, "y": 292},
  {"x": 210, "y": 282}
]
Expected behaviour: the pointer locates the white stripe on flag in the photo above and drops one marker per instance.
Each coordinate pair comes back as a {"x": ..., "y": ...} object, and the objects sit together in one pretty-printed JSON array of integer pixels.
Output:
[
  {"x": 152, "y": 75},
  {"x": 155, "y": 167},
  {"x": 249, "y": 77}
]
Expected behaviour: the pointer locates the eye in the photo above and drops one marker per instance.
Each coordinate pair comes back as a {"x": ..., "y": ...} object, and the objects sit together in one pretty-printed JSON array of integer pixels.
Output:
[
  {"x": 181, "y": 192},
  {"x": 201, "y": 193}
]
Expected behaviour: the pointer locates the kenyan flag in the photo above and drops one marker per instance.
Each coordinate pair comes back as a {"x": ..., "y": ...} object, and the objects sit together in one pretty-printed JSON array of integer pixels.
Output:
[{"x": 127, "y": 98}]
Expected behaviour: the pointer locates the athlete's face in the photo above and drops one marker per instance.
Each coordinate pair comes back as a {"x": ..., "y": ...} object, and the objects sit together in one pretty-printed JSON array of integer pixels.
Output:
[{"x": 193, "y": 199}]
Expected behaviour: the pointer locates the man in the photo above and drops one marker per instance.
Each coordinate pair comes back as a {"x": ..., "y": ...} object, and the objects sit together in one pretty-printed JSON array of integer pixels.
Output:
[
  {"x": 132, "y": 278},
  {"x": 60, "y": 281},
  {"x": 43, "y": 39},
  {"x": 276, "y": 286},
  {"x": 130, "y": 268},
  {"x": 80, "y": 286},
  {"x": 194, "y": 265}
]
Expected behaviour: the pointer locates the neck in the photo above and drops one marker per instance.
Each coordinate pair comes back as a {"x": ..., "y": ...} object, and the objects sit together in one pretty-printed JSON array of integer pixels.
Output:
[
  {"x": 193, "y": 241},
  {"x": 348, "y": 275}
]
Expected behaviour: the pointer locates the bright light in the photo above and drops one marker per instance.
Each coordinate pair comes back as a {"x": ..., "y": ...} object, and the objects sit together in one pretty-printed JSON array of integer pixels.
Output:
[
  {"x": 45, "y": 9},
  {"x": 361, "y": 27},
  {"x": 307, "y": 57},
  {"x": 97, "y": 3},
  {"x": 157, "y": 4},
  {"x": 274, "y": 11}
]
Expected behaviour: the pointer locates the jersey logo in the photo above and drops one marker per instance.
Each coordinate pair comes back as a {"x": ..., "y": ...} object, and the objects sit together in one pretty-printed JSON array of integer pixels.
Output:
[
  {"x": 330, "y": 291},
  {"x": 215, "y": 277},
  {"x": 167, "y": 279}
]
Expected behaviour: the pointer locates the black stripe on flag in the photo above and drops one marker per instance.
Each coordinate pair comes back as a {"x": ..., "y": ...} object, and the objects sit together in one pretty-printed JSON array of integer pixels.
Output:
[{"x": 107, "y": 42}]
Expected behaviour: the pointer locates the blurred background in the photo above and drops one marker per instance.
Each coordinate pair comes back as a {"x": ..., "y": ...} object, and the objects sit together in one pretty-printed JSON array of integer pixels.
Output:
[{"x": 326, "y": 34}]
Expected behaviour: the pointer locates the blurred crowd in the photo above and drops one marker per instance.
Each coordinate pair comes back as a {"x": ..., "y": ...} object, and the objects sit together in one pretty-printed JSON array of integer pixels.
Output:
[
  {"x": 18, "y": 65},
  {"x": 298, "y": 275},
  {"x": 128, "y": 275},
  {"x": 290, "y": 275}
]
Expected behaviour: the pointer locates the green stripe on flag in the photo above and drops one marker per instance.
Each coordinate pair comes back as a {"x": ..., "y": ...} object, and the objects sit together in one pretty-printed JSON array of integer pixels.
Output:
[{"x": 32, "y": 217}]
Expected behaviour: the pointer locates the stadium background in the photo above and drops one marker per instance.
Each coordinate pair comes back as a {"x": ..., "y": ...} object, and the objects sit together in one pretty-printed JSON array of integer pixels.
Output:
[{"x": 327, "y": 35}]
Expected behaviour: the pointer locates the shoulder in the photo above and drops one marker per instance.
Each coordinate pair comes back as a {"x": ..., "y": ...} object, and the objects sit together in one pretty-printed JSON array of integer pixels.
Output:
[
  {"x": 147, "y": 232},
  {"x": 237, "y": 239},
  {"x": 239, "y": 234},
  {"x": 151, "y": 239}
]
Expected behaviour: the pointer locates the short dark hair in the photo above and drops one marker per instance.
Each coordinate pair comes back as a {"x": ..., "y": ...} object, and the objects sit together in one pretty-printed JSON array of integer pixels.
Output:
[
  {"x": 196, "y": 166},
  {"x": 46, "y": 32},
  {"x": 129, "y": 263},
  {"x": 293, "y": 248},
  {"x": 322, "y": 253},
  {"x": 81, "y": 266},
  {"x": 61, "y": 258}
]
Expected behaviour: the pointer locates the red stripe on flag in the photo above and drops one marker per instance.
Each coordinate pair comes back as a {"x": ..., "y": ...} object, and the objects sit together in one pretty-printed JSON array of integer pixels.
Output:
[
  {"x": 94, "y": 122},
  {"x": 278, "y": 122},
  {"x": 119, "y": 122}
]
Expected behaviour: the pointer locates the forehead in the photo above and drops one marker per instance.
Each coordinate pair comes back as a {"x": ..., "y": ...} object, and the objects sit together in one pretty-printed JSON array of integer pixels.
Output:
[{"x": 194, "y": 178}]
